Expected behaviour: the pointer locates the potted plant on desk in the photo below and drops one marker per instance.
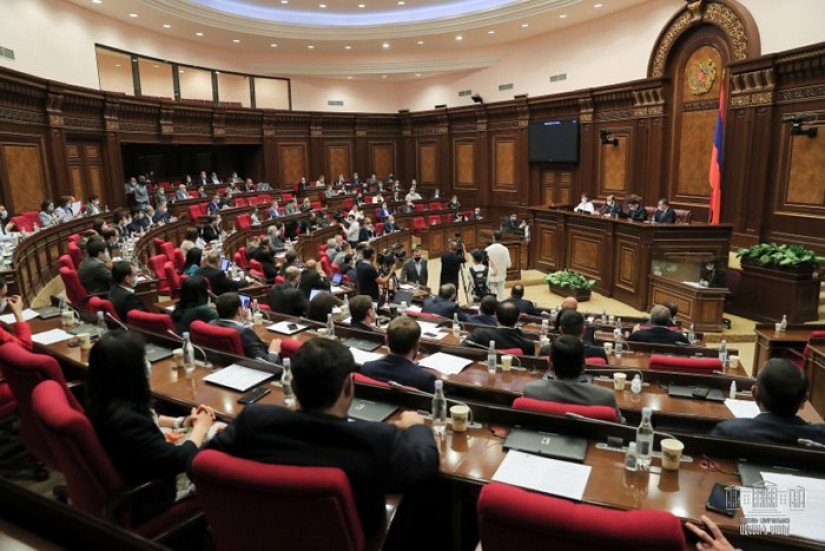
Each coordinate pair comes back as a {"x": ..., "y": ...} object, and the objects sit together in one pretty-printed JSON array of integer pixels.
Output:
[
  {"x": 570, "y": 283},
  {"x": 794, "y": 259}
]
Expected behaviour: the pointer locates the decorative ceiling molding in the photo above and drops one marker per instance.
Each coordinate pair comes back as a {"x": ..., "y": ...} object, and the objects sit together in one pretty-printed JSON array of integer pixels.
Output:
[{"x": 377, "y": 68}]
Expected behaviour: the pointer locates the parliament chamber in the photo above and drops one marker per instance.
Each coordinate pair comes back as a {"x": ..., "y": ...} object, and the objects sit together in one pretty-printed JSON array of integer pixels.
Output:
[{"x": 216, "y": 334}]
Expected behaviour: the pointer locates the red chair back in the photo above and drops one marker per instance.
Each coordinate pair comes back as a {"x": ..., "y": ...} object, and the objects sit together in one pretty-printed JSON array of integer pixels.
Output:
[
  {"x": 244, "y": 263},
  {"x": 99, "y": 304},
  {"x": 434, "y": 206},
  {"x": 379, "y": 228},
  {"x": 225, "y": 339},
  {"x": 595, "y": 360},
  {"x": 168, "y": 249},
  {"x": 75, "y": 253},
  {"x": 23, "y": 223},
  {"x": 661, "y": 362},
  {"x": 308, "y": 507},
  {"x": 243, "y": 221},
  {"x": 418, "y": 224},
  {"x": 316, "y": 205},
  {"x": 75, "y": 291},
  {"x": 194, "y": 213},
  {"x": 156, "y": 264},
  {"x": 361, "y": 378},
  {"x": 193, "y": 194},
  {"x": 434, "y": 220},
  {"x": 172, "y": 276},
  {"x": 8, "y": 406},
  {"x": 326, "y": 265},
  {"x": 150, "y": 321},
  {"x": 158, "y": 242},
  {"x": 348, "y": 203},
  {"x": 514, "y": 518},
  {"x": 605, "y": 413},
  {"x": 286, "y": 197},
  {"x": 279, "y": 279},
  {"x": 179, "y": 260},
  {"x": 511, "y": 351},
  {"x": 289, "y": 347},
  {"x": 75, "y": 237},
  {"x": 32, "y": 215},
  {"x": 65, "y": 261},
  {"x": 240, "y": 202}
]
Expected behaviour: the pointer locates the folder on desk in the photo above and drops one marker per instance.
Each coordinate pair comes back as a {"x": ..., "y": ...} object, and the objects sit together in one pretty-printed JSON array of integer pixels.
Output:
[
  {"x": 155, "y": 353},
  {"x": 548, "y": 444},
  {"x": 367, "y": 410},
  {"x": 362, "y": 344},
  {"x": 695, "y": 392}
]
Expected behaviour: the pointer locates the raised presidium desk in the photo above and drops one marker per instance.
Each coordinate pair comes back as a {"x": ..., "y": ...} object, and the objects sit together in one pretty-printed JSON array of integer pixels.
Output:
[
  {"x": 470, "y": 459},
  {"x": 622, "y": 256}
]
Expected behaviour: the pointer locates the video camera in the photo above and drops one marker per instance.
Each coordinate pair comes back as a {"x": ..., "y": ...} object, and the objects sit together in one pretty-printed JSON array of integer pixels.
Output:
[
  {"x": 459, "y": 244},
  {"x": 391, "y": 255}
]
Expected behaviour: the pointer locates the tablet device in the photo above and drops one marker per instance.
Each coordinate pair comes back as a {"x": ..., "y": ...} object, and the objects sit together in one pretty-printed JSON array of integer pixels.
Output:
[
  {"x": 367, "y": 410},
  {"x": 559, "y": 446},
  {"x": 245, "y": 301},
  {"x": 225, "y": 264},
  {"x": 337, "y": 278}
]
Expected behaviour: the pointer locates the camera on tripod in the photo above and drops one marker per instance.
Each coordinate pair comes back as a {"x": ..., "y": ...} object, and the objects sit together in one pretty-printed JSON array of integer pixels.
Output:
[
  {"x": 459, "y": 244},
  {"x": 389, "y": 257}
]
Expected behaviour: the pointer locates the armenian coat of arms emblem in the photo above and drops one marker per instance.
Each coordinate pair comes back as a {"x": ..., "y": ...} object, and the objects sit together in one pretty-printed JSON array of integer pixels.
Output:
[{"x": 701, "y": 76}]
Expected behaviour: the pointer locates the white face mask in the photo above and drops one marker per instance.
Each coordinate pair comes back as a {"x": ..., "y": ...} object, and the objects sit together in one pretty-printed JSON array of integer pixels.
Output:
[{"x": 3, "y": 303}]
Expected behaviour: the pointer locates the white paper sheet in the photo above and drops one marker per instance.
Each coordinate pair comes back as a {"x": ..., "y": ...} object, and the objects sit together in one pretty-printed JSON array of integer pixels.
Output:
[
  {"x": 51, "y": 336},
  {"x": 742, "y": 409},
  {"x": 427, "y": 326},
  {"x": 445, "y": 363},
  {"x": 799, "y": 498},
  {"x": 413, "y": 309},
  {"x": 283, "y": 327},
  {"x": 238, "y": 377},
  {"x": 362, "y": 356},
  {"x": 551, "y": 476},
  {"x": 28, "y": 314},
  {"x": 406, "y": 287},
  {"x": 336, "y": 290}
]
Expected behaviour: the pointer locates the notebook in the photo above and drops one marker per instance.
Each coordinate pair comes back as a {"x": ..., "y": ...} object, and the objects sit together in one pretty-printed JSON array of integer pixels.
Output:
[
  {"x": 560, "y": 446},
  {"x": 155, "y": 353},
  {"x": 367, "y": 410},
  {"x": 362, "y": 344}
]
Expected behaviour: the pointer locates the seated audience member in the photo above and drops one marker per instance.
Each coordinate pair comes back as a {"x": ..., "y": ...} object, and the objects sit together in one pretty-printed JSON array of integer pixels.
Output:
[
  {"x": 362, "y": 313},
  {"x": 119, "y": 405},
  {"x": 193, "y": 304},
  {"x": 274, "y": 210},
  {"x": 635, "y": 210},
  {"x": 403, "y": 335},
  {"x": 382, "y": 212},
  {"x": 218, "y": 280},
  {"x": 46, "y": 216},
  {"x": 506, "y": 335},
  {"x": 162, "y": 215},
  {"x": 378, "y": 458},
  {"x": 275, "y": 238},
  {"x": 249, "y": 186},
  {"x": 524, "y": 306},
  {"x": 181, "y": 194},
  {"x": 477, "y": 216},
  {"x": 212, "y": 229},
  {"x": 390, "y": 225},
  {"x": 367, "y": 230},
  {"x": 95, "y": 271},
  {"x": 190, "y": 238},
  {"x": 214, "y": 204},
  {"x": 267, "y": 260},
  {"x": 321, "y": 305},
  {"x": 312, "y": 278},
  {"x": 454, "y": 204},
  {"x": 414, "y": 270},
  {"x": 780, "y": 390},
  {"x": 202, "y": 192},
  {"x": 348, "y": 269},
  {"x": 486, "y": 311},
  {"x": 567, "y": 303},
  {"x": 611, "y": 207},
  {"x": 192, "y": 263},
  {"x": 659, "y": 332},
  {"x": 122, "y": 295},
  {"x": 231, "y": 315},
  {"x": 92, "y": 206},
  {"x": 292, "y": 207},
  {"x": 286, "y": 298},
  {"x": 585, "y": 206},
  {"x": 253, "y": 246},
  {"x": 458, "y": 216},
  {"x": 140, "y": 222},
  {"x": 436, "y": 195},
  {"x": 444, "y": 303},
  {"x": 22, "y": 332},
  {"x": 664, "y": 213},
  {"x": 340, "y": 254},
  {"x": 306, "y": 205},
  {"x": 110, "y": 237},
  {"x": 64, "y": 211},
  {"x": 413, "y": 195},
  {"x": 572, "y": 323},
  {"x": 567, "y": 359}
]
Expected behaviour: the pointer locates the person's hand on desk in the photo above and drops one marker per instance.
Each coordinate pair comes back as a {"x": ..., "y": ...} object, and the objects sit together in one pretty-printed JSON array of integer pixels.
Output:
[
  {"x": 190, "y": 421},
  {"x": 201, "y": 424},
  {"x": 16, "y": 305},
  {"x": 408, "y": 419},
  {"x": 715, "y": 541},
  {"x": 275, "y": 346}
]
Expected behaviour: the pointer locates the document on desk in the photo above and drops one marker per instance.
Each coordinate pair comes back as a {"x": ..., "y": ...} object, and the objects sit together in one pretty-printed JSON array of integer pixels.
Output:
[
  {"x": 237, "y": 377},
  {"x": 362, "y": 356},
  {"x": 742, "y": 409},
  {"x": 414, "y": 309},
  {"x": 799, "y": 499},
  {"x": 551, "y": 476},
  {"x": 28, "y": 314},
  {"x": 445, "y": 363},
  {"x": 286, "y": 327},
  {"x": 694, "y": 284},
  {"x": 51, "y": 336},
  {"x": 427, "y": 326}
]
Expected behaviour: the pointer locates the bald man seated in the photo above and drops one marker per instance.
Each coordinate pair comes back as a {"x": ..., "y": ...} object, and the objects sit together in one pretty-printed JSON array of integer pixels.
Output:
[
  {"x": 313, "y": 277},
  {"x": 658, "y": 332},
  {"x": 524, "y": 306},
  {"x": 568, "y": 303}
]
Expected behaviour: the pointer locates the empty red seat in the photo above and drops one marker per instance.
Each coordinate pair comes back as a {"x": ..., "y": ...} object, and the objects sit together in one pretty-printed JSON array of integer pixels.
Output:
[
  {"x": 434, "y": 220},
  {"x": 243, "y": 221},
  {"x": 23, "y": 223},
  {"x": 225, "y": 339},
  {"x": 316, "y": 205},
  {"x": 605, "y": 413},
  {"x": 434, "y": 206},
  {"x": 156, "y": 264},
  {"x": 418, "y": 224},
  {"x": 240, "y": 202},
  {"x": 65, "y": 261},
  {"x": 286, "y": 197},
  {"x": 194, "y": 213},
  {"x": 150, "y": 321},
  {"x": 75, "y": 253},
  {"x": 98, "y": 304},
  {"x": 661, "y": 362},
  {"x": 172, "y": 277},
  {"x": 379, "y": 228},
  {"x": 75, "y": 291}
]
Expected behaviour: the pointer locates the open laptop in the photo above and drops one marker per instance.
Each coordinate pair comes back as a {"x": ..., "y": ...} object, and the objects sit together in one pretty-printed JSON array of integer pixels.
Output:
[
  {"x": 362, "y": 344},
  {"x": 751, "y": 473},
  {"x": 225, "y": 263},
  {"x": 367, "y": 410},
  {"x": 402, "y": 296},
  {"x": 548, "y": 444}
]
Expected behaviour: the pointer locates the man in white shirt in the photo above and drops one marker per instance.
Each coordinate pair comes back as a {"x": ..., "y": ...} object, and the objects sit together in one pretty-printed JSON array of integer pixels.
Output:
[
  {"x": 586, "y": 206},
  {"x": 499, "y": 263},
  {"x": 353, "y": 230}
]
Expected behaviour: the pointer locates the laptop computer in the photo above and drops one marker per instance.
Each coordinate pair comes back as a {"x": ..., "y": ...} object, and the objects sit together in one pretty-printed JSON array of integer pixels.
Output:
[
  {"x": 402, "y": 296},
  {"x": 367, "y": 410},
  {"x": 362, "y": 344},
  {"x": 48, "y": 312},
  {"x": 155, "y": 353},
  {"x": 225, "y": 263},
  {"x": 548, "y": 444}
]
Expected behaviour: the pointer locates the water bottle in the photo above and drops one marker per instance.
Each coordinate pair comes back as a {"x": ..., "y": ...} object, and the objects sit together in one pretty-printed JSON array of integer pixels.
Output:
[
  {"x": 644, "y": 439},
  {"x": 254, "y": 307},
  {"x": 783, "y": 325},
  {"x": 456, "y": 326},
  {"x": 491, "y": 358},
  {"x": 732, "y": 393},
  {"x": 691, "y": 336},
  {"x": 101, "y": 324},
  {"x": 330, "y": 327},
  {"x": 188, "y": 353},
  {"x": 636, "y": 385},
  {"x": 631, "y": 462},
  {"x": 545, "y": 327},
  {"x": 723, "y": 352},
  {"x": 604, "y": 316},
  {"x": 286, "y": 384},
  {"x": 619, "y": 324},
  {"x": 618, "y": 348},
  {"x": 439, "y": 408},
  {"x": 345, "y": 307}
]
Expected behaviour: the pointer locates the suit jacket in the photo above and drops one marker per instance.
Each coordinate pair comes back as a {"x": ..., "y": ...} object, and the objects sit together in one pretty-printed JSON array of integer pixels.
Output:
[
  {"x": 389, "y": 228},
  {"x": 310, "y": 280},
  {"x": 124, "y": 300},
  {"x": 95, "y": 276},
  {"x": 769, "y": 427},
  {"x": 612, "y": 210},
  {"x": 639, "y": 214},
  {"x": 525, "y": 306},
  {"x": 410, "y": 274},
  {"x": 253, "y": 346},
  {"x": 571, "y": 392},
  {"x": 445, "y": 308},
  {"x": 209, "y": 233},
  {"x": 590, "y": 351},
  {"x": 658, "y": 335},
  {"x": 219, "y": 282},
  {"x": 401, "y": 370},
  {"x": 483, "y": 319},
  {"x": 504, "y": 337},
  {"x": 667, "y": 216},
  {"x": 376, "y": 457},
  {"x": 284, "y": 299}
]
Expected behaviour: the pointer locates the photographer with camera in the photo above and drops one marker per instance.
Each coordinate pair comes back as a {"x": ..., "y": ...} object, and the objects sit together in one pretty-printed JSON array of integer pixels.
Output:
[
  {"x": 452, "y": 261},
  {"x": 479, "y": 273},
  {"x": 499, "y": 262},
  {"x": 369, "y": 280},
  {"x": 415, "y": 269}
]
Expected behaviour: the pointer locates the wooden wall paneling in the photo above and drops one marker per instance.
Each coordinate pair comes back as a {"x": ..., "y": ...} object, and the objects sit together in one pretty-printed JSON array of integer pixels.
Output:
[
  {"x": 587, "y": 180},
  {"x": 464, "y": 163},
  {"x": 482, "y": 176},
  {"x": 293, "y": 161},
  {"x": 382, "y": 159},
  {"x": 76, "y": 181},
  {"x": 804, "y": 187},
  {"x": 614, "y": 165},
  {"x": 24, "y": 173},
  {"x": 427, "y": 162},
  {"x": 338, "y": 160},
  {"x": 504, "y": 164}
]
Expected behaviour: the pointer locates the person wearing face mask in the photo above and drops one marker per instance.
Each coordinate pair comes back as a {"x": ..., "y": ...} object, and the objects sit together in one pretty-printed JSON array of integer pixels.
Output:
[
  {"x": 390, "y": 225},
  {"x": 415, "y": 269},
  {"x": 122, "y": 296},
  {"x": 95, "y": 272},
  {"x": 92, "y": 206},
  {"x": 139, "y": 223},
  {"x": 22, "y": 332},
  {"x": 477, "y": 216},
  {"x": 46, "y": 215},
  {"x": 512, "y": 226},
  {"x": 5, "y": 224}
]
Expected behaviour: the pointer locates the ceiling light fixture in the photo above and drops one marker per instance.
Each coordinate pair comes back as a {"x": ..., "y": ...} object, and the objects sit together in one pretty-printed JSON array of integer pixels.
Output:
[
  {"x": 167, "y": 26},
  {"x": 236, "y": 40},
  {"x": 525, "y": 25},
  {"x": 349, "y": 77},
  {"x": 273, "y": 45},
  {"x": 597, "y": 5},
  {"x": 181, "y": 71},
  {"x": 401, "y": 2},
  {"x": 117, "y": 65},
  {"x": 386, "y": 45},
  {"x": 491, "y": 32},
  {"x": 347, "y": 47},
  {"x": 383, "y": 76},
  {"x": 284, "y": 1},
  {"x": 311, "y": 47},
  {"x": 97, "y": 1},
  {"x": 362, "y": 6},
  {"x": 459, "y": 37},
  {"x": 198, "y": 34},
  {"x": 133, "y": 15},
  {"x": 420, "y": 42},
  {"x": 322, "y": 6},
  {"x": 563, "y": 16},
  {"x": 417, "y": 75}
]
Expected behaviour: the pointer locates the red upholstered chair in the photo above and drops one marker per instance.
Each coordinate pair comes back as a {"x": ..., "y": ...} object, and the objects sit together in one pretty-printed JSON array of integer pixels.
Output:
[
  {"x": 23, "y": 223},
  {"x": 379, "y": 228},
  {"x": 308, "y": 507},
  {"x": 514, "y": 518},
  {"x": 326, "y": 265},
  {"x": 100, "y": 304},
  {"x": 193, "y": 194},
  {"x": 361, "y": 378},
  {"x": 75, "y": 237},
  {"x": 194, "y": 213},
  {"x": 661, "y": 362},
  {"x": 243, "y": 221},
  {"x": 256, "y": 269},
  {"x": 244, "y": 263},
  {"x": 65, "y": 261},
  {"x": 434, "y": 220},
  {"x": 511, "y": 351},
  {"x": 348, "y": 203},
  {"x": 8, "y": 407},
  {"x": 424, "y": 315},
  {"x": 24, "y": 370},
  {"x": 75, "y": 253},
  {"x": 92, "y": 479},
  {"x": 75, "y": 291},
  {"x": 158, "y": 243},
  {"x": 224, "y": 339},
  {"x": 32, "y": 215},
  {"x": 173, "y": 277},
  {"x": 316, "y": 205},
  {"x": 241, "y": 202},
  {"x": 179, "y": 260},
  {"x": 150, "y": 321},
  {"x": 279, "y": 279},
  {"x": 418, "y": 224},
  {"x": 289, "y": 347},
  {"x": 286, "y": 197},
  {"x": 156, "y": 264},
  {"x": 595, "y": 360},
  {"x": 168, "y": 250},
  {"x": 605, "y": 413},
  {"x": 203, "y": 208},
  {"x": 434, "y": 206}
]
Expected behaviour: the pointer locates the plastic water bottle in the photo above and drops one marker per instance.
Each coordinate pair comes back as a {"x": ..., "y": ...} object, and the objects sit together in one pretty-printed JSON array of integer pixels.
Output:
[
  {"x": 188, "y": 353},
  {"x": 691, "y": 336},
  {"x": 545, "y": 327},
  {"x": 618, "y": 348},
  {"x": 345, "y": 307},
  {"x": 101, "y": 324},
  {"x": 619, "y": 324},
  {"x": 636, "y": 385},
  {"x": 286, "y": 384},
  {"x": 456, "y": 326},
  {"x": 723, "y": 352},
  {"x": 330, "y": 327},
  {"x": 631, "y": 462},
  {"x": 644, "y": 439},
  {"x": 439, "y": 408},
  {"x": 491, "y": 358},
  {"x": 732, "y": 394},
  {"x": 254, "y": 306},
  {"x": 783, "y": 325}
]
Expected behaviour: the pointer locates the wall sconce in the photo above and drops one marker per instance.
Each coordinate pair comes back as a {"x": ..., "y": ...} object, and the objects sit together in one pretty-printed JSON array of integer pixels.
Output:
[
  {"x": 797, "y": 129},
  {"x": 607, "y": 138}
]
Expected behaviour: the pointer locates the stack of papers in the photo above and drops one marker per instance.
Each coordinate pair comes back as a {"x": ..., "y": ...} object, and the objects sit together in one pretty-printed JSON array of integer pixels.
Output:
[
  {"x": 427, "y": 326},
  {"x": 28, "y": 314},
  {"x": 445, "y": 363},
  {"x": 543, "y": 474},
  {"x": 238, "y": 377},
  {"x": 283, "y": 327},
  {"x": 362, "y": 356},
  {"x": 742, "y": 409},
  {"x": 51, "y": 336}
]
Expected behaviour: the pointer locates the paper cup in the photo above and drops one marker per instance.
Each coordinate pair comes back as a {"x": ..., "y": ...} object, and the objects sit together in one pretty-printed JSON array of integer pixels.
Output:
[
  {"x": 619, "y": 380},
  {"x": 322, "y": 332},
  {"x": 777, "y": 327},
  {"x": 258, "y": 319},
  {"x": 461, "y": 416},
  {"x": 85, "y": 340},
  {"x": 506, "y": 362},
  {"x": 608, "y": 347},
  {"x": 671, "y": 454},
  {"x": 177, "y": 355}
]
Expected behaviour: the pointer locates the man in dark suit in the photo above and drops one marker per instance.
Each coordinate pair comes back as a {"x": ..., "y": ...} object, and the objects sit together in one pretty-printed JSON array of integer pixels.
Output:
[
  {"x": 780, "y": 390},
  {"x": 94, "y": 272},
  {"x": 286, "y": 298},
  {"x": 572, "y": 323},
  {"x": 451, "y": 263},
  {"x": 211, "y": 230},
  {"x": 567, "y": 358},
  {"x": 659, "y": 332},
  {"x": 313, "y": 278},
  {"x": 414, "y": 270},
  {"x": 511, "y": 226},
  {"x": 378, "y": 458},
  {"x": 524, "y": 306},
  {"x": 506, "y": 336},
  {"x": 611, "y": 207},
  {"x": 231, "y": 315},
  {"x": 403, "y": 334},
  {"x": 218, "y": 281},
  {"x": 443, "y": 303},
  {"x": 362, "y": 313},
  {"x": 664, "y": 213},
  {"x": 635, "y": 210},
  {"x": 122, "y": 295},
  {"x": 486, "y": 312}
]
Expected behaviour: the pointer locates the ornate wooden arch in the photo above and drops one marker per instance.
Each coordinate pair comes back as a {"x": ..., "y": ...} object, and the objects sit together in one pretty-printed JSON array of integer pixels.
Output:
[{"x": 733, "y": 19}]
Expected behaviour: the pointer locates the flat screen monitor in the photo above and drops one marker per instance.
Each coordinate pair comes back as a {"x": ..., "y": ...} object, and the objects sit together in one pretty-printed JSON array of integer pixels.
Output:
[{"x": 553, "y": 141}]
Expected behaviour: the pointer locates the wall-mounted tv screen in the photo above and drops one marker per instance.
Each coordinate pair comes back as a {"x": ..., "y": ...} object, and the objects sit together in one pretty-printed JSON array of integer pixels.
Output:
[{"x": 554, "y": 141}]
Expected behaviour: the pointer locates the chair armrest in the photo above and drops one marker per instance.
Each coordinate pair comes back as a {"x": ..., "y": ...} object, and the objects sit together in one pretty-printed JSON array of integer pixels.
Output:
[
  {"x": 376, "y": 542},
  {"x": 116, "y": 501}
]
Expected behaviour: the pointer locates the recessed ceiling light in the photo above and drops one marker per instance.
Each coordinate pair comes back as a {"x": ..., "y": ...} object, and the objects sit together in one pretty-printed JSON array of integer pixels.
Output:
[
  {"x": 563, "y": 16},
  {"x": 117, "y": 65},
  {"x": 597, "y": 5},
  {"x": 362, "y": 6},
  {"x": 181, "y": 71},
  {"x": 385, "y": 45},
  {"x": 383, "y": 76},
  {"x": 284, "y": 1},
  {"x": 401, "y": 2},
  {"x": 198, "y": 34},
  {"x": 417, "y": 75},
  {"x": 273, "y": 45},
  {"x": 155, "y": 66},
  {"x": 491, "y": 32},
  {"x": 420, "y": 42},
  {"x": 459, "y": 37},
  {"x": 322, "y": 6},
  {"x": 167, "y": 26},
  {"x": 349, "y": 77},
  {"x": 217, "y": 72},
  {"x": 133, "y": 15},
  {"x": 525, "y": 25},
  {"x": 236, "y": 40},
  {"x": 97, "y": 1},
  {"x": 347, "y": 47},
  {"x": 311, "y": 47}
]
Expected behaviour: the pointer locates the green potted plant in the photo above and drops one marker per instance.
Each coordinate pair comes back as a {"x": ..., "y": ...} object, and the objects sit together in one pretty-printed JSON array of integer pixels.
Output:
[
  {"x": 787, "y": 258},
  {"x": 570, "y": 283}
]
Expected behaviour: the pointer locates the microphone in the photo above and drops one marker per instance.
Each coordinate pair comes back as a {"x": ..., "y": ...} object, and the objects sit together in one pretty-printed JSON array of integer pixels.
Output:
[
  {"x": 572, "y": 415},
  {"x": 206, "y": 363},
  {"x": 808, "y": 443},
  {"x": 117, "y": 321}
]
